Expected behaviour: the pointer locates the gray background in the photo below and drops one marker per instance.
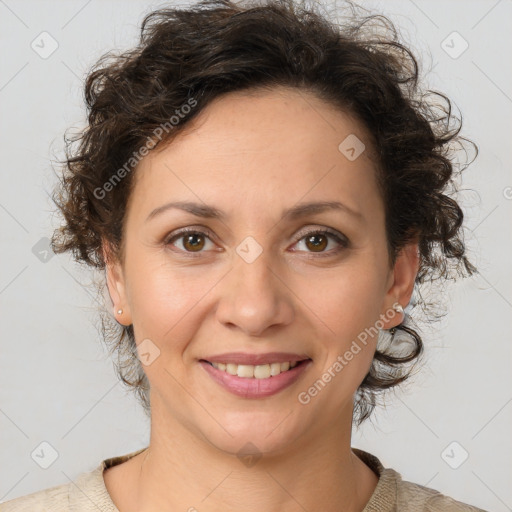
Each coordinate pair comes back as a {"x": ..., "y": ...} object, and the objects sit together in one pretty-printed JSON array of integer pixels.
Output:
[{"x": 57, "y": 383}]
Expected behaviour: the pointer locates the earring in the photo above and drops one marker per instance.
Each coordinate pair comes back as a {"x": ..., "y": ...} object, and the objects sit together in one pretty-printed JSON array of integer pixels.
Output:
[
  {"x": 398, "y": 308},
  {"x": 119, "y": 311}
]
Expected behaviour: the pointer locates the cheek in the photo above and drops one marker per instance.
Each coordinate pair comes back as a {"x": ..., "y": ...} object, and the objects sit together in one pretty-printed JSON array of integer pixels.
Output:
[
  {"x": 346, "y": 339},
  {"x": 163, "y": 299},
  {"x": 347, "y": 300},
  {"x": 346, "y": 306}
]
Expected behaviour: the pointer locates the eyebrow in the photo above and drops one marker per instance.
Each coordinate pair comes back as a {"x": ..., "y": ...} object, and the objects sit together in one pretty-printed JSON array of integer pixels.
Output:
[{"x": 209, "y": 212}]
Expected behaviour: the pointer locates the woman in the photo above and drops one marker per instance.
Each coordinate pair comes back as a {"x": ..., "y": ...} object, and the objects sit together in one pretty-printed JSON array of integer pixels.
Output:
[{"x": 264, "y": 191}]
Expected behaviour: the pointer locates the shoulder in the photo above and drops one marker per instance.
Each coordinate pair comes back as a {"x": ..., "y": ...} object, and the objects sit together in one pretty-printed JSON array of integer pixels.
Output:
[
  {"x": 393, "y": 494},
  {"x": 53, "y": 499},
  {"x": 411, "y": 496},
  {"x": 85, "y": 493}
]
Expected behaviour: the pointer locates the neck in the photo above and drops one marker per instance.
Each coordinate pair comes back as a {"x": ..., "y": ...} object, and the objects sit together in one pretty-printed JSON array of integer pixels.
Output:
[{"x": 183, "y": 471}]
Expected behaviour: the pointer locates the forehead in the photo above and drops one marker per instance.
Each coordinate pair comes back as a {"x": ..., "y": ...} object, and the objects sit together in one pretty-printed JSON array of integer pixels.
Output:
[{"x": 280, "y": 145}]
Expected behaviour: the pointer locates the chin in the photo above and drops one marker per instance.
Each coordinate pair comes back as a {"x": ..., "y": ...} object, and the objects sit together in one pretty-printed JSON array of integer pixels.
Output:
[{"x": 255, "y": 433}]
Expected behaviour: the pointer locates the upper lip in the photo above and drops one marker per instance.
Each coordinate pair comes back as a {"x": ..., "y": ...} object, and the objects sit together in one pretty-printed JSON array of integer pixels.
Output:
[{"x": 256, "y": 359}]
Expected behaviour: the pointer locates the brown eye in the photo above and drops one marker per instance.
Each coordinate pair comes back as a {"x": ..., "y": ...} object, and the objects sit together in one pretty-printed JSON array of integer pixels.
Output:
[
  {"x": 193, "y": 242},
  {"x": 320, "y": 240},
  {"x": 317, "y": 243},
  {"x": 190, "y": 241}
]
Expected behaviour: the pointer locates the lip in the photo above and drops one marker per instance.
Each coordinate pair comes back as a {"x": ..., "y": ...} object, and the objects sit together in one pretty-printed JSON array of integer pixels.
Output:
[
  {"x": 256, "y": 388},
  {"x": 255, "y": 359}
]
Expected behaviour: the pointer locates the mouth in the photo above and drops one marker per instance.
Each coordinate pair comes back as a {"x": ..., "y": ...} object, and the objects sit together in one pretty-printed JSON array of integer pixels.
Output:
[
  {"x": 255, "y": 381},
  {"x": 260, "y": 371}
]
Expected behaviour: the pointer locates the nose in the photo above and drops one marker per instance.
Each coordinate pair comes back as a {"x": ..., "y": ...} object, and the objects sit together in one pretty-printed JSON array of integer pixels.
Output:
[{"x": 254, "y": 297}]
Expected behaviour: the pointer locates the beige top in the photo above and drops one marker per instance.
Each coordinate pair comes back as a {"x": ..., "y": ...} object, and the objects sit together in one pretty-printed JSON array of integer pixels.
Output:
[{"x": 89, "y": 494}]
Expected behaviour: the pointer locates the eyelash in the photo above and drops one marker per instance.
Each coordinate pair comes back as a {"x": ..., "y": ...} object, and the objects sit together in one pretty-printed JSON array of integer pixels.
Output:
[{"x": 340, "y": 239}]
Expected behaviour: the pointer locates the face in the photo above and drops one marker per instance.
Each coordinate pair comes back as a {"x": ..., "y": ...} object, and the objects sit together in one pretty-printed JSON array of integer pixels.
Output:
[{"x": 248, "y": 280}]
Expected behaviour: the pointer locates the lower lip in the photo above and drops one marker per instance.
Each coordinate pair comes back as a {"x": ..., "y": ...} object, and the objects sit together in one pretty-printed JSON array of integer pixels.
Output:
[{"x": 255, "y": 388}]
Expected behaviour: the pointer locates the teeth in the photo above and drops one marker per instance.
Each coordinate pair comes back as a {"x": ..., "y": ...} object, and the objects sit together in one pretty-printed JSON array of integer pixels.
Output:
[
  {"x": 231, "y": 368},
  {"x": 275, "y": 369},
  {"x": 260, "y": 371},
  {"x": 245, "y": 370}
]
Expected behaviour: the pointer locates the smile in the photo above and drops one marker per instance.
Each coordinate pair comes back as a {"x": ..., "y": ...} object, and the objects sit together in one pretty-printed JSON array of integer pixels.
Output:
[
  {"x": 255, "y": 381},
  {"x": 260, "y": 371}
]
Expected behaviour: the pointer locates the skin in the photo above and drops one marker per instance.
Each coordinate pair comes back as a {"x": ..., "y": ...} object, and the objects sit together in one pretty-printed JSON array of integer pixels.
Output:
[{"x": 252, "y": 155}]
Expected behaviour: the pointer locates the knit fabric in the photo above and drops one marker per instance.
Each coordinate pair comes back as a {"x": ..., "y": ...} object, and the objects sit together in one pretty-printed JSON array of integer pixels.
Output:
[{"x": 88, "y": 493}]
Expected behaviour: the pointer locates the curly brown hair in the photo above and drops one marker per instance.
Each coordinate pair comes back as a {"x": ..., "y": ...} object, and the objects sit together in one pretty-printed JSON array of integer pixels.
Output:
[{"x": 194, "y": 55}]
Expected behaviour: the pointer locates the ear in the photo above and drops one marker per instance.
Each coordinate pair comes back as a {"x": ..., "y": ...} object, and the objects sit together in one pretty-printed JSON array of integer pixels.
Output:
[
  {"x": 116, "y": 285},
  {"x": 401, "y": 284}
]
